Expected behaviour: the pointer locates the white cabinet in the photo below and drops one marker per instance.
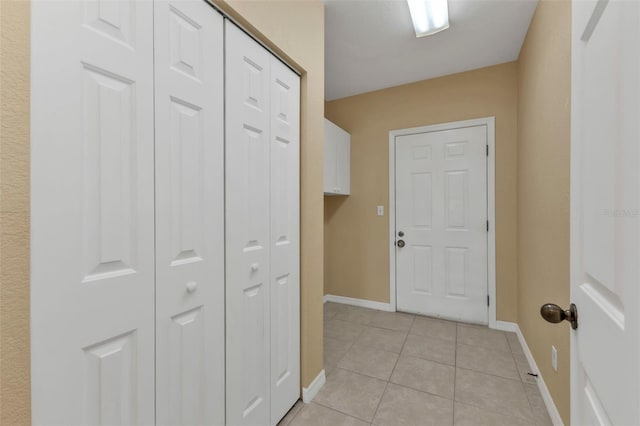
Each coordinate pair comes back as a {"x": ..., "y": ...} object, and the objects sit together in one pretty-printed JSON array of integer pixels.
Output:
[{"x": 337, "y": 157}]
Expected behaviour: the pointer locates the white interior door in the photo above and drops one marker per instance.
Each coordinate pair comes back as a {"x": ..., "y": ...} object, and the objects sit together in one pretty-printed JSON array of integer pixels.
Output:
[
  {"x": 189, "y": 164},
  {"x": 441, "y": 223},
  {"x": 605, "y": 235},
  {"x": 285, "y": 239},
  {"x": 92, "y": 248},
  {"x": 248, "y": 242}
]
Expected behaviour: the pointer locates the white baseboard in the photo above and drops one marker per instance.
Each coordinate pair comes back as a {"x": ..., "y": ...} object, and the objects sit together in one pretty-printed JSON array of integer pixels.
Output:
[
  {"x": 506, "y": 326},
  {"x": 544, "y": 391},
  {"x": 359, "y": 302},
  {"x": 309, "y": 393}
]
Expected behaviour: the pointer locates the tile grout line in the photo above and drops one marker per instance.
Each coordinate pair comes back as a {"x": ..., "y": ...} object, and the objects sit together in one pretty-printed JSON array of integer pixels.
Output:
[{"x": 386, "y": 385}]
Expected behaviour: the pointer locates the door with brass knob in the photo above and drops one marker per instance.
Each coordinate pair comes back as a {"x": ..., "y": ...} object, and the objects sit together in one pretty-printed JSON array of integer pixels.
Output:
[{"x": 555, "y": 314}]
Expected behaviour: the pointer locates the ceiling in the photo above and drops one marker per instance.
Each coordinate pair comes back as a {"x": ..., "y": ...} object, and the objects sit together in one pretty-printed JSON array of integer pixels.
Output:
[{"x": 371, "y": 44}]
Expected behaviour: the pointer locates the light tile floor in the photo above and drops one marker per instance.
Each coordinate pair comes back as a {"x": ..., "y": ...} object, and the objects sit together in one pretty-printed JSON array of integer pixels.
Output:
[{"x": 399, "y": 369}]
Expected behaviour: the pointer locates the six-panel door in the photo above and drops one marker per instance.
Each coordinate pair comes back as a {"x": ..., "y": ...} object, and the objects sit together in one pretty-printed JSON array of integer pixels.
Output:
[
  {"x": 441, "y": 209},
  {"x": 262, "y": 233},
  {"x": 189, "y": 161},
  {"x": 92, "y": 230}
]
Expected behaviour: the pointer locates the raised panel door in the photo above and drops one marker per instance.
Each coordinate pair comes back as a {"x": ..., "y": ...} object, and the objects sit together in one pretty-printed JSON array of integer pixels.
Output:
[
  {"x": 189, "y": 164},
  {"x": 92, "y": 243}
]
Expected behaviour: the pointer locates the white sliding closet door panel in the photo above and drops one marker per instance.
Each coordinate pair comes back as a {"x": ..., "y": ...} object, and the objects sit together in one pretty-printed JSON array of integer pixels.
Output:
[
  {"x": 247, "y": 229},
  {"x": 92, "y": 248},
  {"x": 189, "y": 213},
  {"x": 285, "y": 239}
]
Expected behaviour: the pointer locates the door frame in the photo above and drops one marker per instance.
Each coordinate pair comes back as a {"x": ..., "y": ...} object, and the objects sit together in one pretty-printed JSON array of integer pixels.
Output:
[{"x": 489, "y": 122}]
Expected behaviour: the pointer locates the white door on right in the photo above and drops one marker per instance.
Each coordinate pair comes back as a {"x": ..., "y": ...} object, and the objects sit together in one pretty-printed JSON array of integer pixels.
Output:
[
  {"x": 441, "y": 224},
  {"x": 605, "y": 234}
]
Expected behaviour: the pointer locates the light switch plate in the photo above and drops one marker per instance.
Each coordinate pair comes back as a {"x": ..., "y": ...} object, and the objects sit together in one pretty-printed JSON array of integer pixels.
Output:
[{"x": 380, "y": 210}]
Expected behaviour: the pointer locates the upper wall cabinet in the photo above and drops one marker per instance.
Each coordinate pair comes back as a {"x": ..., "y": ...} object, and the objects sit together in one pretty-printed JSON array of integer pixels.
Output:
[{"x": 337, "y": 154}]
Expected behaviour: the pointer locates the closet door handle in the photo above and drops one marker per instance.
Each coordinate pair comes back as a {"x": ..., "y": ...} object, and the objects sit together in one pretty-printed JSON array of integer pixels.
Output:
[{"x": 192, "y": 286}]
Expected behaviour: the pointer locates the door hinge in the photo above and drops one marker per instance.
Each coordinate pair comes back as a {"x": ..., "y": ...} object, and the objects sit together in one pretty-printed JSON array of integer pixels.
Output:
[
  {"x": 488, "y": 304},
  {"x": 487, "y": 226},
  {"x": 487, "y": 150}
]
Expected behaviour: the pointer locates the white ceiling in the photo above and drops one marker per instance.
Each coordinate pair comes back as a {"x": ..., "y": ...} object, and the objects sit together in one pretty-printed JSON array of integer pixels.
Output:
[{"x": 371, "y": 44}]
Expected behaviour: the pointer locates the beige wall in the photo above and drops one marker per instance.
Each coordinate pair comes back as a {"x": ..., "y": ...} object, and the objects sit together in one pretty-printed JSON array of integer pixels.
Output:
[
  {"x": 544, "y": 93},
  {"x": 14, "y": 213},
  {"x": 295, "y": 29},
  {"x": 356, "y": 239}
]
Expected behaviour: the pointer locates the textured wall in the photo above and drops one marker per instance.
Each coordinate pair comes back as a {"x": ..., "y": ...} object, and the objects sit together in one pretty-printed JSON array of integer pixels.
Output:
[
  {"x": 357, "y": 240},
  {"x": 544, "y": 115},
  {"x": 296, "y": 30},
  {"x": 15, "y": 407}
]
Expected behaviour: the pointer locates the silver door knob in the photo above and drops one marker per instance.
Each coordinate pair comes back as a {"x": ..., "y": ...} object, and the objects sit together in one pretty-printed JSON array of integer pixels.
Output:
[
  {"x": 400, "y": 243},
  {"x": 555, "y": 314}
]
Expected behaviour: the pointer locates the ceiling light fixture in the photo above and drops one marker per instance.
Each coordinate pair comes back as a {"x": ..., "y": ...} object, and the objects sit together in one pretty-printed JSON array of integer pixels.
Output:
[{"x": 429, "y": 16}]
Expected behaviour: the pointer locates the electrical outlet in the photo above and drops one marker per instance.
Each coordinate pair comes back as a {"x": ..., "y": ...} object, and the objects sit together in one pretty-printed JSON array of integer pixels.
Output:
[
  {"x": 554, "y": 358},
  {"x": 380, "y": 210}
]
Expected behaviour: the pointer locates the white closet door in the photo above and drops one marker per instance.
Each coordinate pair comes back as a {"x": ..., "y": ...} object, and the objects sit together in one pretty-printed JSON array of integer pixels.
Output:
[
  {"x": 92, "y": 249},
  {"x": 247, "y": 229},
  {"x": 189, "y": 213},
  {"x": 285, "y": 239}
]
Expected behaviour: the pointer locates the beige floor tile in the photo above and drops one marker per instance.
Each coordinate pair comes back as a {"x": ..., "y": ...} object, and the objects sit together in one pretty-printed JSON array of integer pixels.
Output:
[
  {"x": 514, "y": 343},
  {"x": 317, "y": 415},
  {"x": 401, "y": 406},
  {"x": 483, "y": 336},
  {"x": 392, "y": 320},
  {"x": 466, "y": 415},
  {"x": 432, "y": 327},
  {"x": 379, "y": 338},
  {"x": 335, "y": 349},
  {"x": 485, "y": 360},
  {"x": 286, "y": 420},
  {"x": 538, "y": 407},
  {"x": 329, "y": 315},
  {"x": 431, "y": 348},
  {"x": 357, "y": 315},
  {"x": 369, "y": 361},
  {"x": 424, "y": 375},
  {"x": 342, "y": 330},
  {"x": 495, "y": 394},
  {"x": 524, "y": 369},
  {"x": 351, "y": 393},
  {"x": 334, "y": 308}
]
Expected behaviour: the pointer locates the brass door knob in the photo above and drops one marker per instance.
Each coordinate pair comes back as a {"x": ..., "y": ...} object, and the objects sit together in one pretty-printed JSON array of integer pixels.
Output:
[
  {"x": 400, "y": 243},
  {"x": 555, "y": 314}
]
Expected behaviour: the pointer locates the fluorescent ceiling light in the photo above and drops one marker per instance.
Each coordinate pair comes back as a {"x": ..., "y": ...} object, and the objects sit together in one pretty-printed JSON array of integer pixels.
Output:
[{"x": 429, "y": 16}]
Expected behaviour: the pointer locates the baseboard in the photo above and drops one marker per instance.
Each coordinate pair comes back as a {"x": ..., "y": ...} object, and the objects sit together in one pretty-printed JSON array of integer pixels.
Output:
[
  {"x": 359, "y": 302},
  {"x": 309, "y": 393},
  {"x": 544, "y": 391},
  {"x": 511, "y": 327}
]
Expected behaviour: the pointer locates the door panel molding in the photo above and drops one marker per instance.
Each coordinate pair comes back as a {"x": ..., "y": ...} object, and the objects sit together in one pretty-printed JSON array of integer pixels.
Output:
[{"x": 489, "y": 122}]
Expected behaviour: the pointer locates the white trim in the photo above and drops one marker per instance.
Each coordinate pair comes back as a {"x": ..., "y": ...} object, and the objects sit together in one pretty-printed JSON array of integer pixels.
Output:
[
  {"x": 309, "y": 393},
  {"x": 359, "y": 302},
  {"x": 544, "y": 391},
  {"x": 490, "y": 123},
  {"x": 511, "y": 327}
]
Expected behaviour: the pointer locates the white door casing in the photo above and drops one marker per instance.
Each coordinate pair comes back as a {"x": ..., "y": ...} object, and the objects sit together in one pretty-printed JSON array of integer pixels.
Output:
[
  {"x": 441, "y": 207},
  {"x": 285, "y": 239},
  {"x": 92, "y": 248},
  {"x": 248, "y": 240},
  {"x": 605, "y": 234},
  {"x": 189, "y": 164}
]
